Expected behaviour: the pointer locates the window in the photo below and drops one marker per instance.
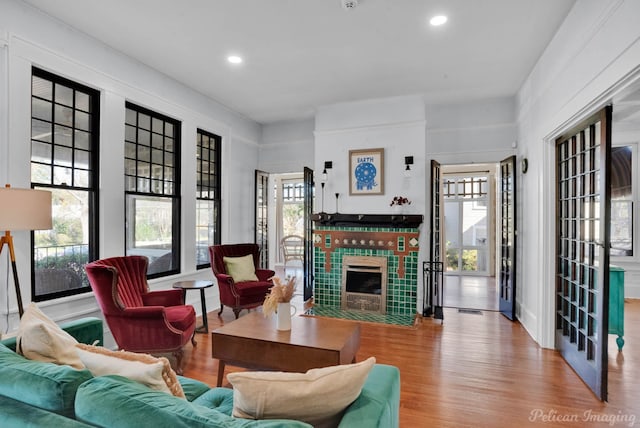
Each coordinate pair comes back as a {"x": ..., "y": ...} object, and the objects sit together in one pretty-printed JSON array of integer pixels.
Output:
[
  {"x": 207, "y": 194},
  {"x": 152, "y": 185},
  {"x": 622, "y": 199},
  {"x": 64, "y": 147}
]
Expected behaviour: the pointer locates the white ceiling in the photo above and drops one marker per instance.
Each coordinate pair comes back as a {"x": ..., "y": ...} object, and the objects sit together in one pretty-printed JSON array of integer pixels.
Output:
[{"x": 301, "y": 54}]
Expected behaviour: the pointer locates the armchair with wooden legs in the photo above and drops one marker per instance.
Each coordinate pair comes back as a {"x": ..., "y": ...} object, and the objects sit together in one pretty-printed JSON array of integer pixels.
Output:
[
  {"x": 141, "y": 320},
  {"x": 239, "y": 295}
]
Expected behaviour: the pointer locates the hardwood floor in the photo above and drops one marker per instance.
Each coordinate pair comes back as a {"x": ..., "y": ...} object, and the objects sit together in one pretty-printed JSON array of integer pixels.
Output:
[
  {"x": 472, "y": 292},
  {"x": 481, "y": 371}
]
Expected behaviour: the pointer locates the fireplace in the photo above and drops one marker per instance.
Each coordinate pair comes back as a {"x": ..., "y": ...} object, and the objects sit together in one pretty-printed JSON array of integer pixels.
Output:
[
  {"x": 394, "y": 238},
  {"x": 364, "y": 283}
]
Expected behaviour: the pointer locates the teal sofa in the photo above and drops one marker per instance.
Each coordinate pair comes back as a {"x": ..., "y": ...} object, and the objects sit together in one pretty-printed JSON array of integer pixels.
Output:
[{"x": 35, "y": 394}]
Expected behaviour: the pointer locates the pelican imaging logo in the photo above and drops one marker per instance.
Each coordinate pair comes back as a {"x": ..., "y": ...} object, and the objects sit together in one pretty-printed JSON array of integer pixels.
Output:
[
  {"x": 553, "y": 416},
  {"x": 366, "y": 172}
]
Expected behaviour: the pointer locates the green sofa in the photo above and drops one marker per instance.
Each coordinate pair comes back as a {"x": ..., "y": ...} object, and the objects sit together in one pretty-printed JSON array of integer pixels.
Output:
[{"x": 35, "y": 394}]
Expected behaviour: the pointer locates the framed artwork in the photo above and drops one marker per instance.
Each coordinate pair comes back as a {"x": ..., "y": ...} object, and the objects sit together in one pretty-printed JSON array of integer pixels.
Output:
[{"x": 366, "y": 172}]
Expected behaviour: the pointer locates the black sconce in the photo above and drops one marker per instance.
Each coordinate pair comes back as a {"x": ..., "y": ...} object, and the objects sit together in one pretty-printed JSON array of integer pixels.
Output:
[
  {"x": 408, "y": 161},
  {"x": 327, "y": 165}
]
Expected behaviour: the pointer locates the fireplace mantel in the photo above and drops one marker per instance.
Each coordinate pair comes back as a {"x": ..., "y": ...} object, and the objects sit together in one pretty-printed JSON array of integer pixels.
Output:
[{"x": 373, "y": 220}]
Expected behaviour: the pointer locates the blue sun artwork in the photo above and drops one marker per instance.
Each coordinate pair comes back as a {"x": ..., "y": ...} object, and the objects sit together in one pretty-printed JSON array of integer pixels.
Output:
[{"x": 365, "y": 173}]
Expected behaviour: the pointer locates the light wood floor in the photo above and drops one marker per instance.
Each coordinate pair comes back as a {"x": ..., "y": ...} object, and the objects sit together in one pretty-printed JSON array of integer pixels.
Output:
[
  {"x": 473, "y": 292},
  {"x": 481, "y": 371}
]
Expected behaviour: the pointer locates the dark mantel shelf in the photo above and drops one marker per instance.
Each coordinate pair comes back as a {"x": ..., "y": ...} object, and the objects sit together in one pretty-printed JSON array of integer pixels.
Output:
[{"x": 373, "y": 220}]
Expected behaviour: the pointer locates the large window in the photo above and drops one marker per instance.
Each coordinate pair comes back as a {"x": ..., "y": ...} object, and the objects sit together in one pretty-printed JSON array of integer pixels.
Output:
[
  {"x": 152, "y": 186},
  {"x": 208, "y": 195},
  {"x": 64, "y": 160},
  {"x": 466, "y": 224},
  {"x": 622, "y": 199}
]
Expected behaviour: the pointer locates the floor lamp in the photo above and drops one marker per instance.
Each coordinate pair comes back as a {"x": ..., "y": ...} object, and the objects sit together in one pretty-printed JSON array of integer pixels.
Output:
[{"x": 22, "y": 209}]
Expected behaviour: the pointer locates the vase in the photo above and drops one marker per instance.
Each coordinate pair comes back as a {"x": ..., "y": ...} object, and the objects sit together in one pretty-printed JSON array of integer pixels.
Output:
[
  {"x": 283, "y": 316},
  {"x": 397, "y": 209}
]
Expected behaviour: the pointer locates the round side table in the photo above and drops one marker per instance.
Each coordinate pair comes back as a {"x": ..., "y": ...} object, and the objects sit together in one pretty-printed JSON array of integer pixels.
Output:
[{"x": 197, "y": 285}]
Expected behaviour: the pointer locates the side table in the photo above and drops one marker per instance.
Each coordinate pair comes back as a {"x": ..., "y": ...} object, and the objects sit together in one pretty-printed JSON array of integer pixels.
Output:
[{"x": 197, "y": 285}]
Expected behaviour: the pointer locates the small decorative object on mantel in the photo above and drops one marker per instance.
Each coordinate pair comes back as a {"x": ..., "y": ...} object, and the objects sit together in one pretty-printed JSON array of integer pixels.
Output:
[
  {"x": 279, "y": 301},
  {"x": 399, "y": 204},
  {"x": 399, "y": 201}
]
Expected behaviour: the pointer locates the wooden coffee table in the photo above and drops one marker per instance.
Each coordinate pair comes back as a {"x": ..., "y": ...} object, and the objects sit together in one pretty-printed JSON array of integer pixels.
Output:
[{"x": 252, "y": 341}]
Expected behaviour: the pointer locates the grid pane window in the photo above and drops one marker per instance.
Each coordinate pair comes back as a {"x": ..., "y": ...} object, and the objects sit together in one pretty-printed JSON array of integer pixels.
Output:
[
  {"x": 208, "y": 195},
  {"x": 151, "y": 189},
  {"x": 64, "y": 146}
]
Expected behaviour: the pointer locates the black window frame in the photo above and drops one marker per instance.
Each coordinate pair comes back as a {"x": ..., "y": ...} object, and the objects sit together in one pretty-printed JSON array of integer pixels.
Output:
[
  {"x": 174, "y": 195},
  {"x": 92, "y": 189},
  {"x": 212, "y": 173}
]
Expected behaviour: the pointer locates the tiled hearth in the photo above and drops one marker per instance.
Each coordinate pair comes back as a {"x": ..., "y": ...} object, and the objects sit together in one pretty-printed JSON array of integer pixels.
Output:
[{"x": 398, "y": 245}]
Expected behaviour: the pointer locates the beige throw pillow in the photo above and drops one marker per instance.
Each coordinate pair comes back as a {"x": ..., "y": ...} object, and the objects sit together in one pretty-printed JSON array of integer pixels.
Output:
[
  {"x": 154, "y": 372},
  {"x": 41, "y": 339},
  {"x": 317, "y": 397},
  {"x": 241, "y": 268}
]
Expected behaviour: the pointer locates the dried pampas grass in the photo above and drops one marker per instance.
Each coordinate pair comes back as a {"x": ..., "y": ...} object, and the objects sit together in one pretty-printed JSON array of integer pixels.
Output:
[{"x": 279, "y": 293}]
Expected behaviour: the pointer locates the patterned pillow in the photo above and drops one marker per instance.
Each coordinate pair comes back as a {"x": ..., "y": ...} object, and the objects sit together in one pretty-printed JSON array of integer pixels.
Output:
[{"x": 154, "y": 372}]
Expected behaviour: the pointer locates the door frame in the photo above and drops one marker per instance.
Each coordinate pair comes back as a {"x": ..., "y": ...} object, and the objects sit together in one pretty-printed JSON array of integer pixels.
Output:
[{"x": 545, "y": 319}]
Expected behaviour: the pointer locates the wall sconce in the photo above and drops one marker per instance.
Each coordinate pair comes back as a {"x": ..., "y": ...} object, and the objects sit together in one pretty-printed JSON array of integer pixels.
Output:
[
  {"x": 323, "y": 180},
  {"x": 327, "y": 165},
  {"x": 408, "y": 161}
]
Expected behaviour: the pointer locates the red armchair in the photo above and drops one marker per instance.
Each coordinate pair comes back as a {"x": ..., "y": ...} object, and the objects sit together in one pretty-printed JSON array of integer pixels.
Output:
[
  {"x": 239, "y": 295},
  {"x": 141, "y": 320}
]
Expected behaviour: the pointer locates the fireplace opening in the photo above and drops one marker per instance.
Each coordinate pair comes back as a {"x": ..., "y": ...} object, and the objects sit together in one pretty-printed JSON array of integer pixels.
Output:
[{"x": 364, "y": 283}]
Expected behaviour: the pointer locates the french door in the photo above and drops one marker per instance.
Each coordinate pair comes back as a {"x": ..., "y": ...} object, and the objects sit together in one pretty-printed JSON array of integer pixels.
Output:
[
  {"x": 261, "y": 221},
  {"x": 507, "y": 300},
  {"x": 433, "y": 269},
  {"x": 308, "y": 234},
  {"x": 582, "y": 248}
]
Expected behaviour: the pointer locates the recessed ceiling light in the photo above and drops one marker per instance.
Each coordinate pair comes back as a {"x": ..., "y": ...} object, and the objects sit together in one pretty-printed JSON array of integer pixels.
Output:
[
  {"x": 438, "y": 20},
  {"x": 234, "y": 59}
]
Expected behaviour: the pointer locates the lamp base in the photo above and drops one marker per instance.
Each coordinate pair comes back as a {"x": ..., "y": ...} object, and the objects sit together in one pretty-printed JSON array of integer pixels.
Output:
[{"x": 8, "y": 240}]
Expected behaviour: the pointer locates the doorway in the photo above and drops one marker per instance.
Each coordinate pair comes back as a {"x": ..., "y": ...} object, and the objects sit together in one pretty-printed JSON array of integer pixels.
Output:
[
  {"x": 468, "y": 195},
  {"x": 288, "y": 221}
]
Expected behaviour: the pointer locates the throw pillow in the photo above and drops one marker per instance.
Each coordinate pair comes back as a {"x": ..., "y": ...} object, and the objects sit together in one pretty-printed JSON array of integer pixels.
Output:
[
  {"x": 154, "y": 372},
  {"x": 41, "y": 339},
  {"x": 241, "y": 268},
  {"x": 317, "y": 397}
]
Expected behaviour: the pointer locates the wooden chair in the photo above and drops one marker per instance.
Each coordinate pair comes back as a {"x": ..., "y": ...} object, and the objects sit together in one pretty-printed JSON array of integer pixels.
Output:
[{"x": 292, "y": 247}]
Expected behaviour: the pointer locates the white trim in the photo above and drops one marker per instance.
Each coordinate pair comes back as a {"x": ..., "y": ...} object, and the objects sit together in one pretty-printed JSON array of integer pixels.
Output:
[{"x": 407, "y": 124}]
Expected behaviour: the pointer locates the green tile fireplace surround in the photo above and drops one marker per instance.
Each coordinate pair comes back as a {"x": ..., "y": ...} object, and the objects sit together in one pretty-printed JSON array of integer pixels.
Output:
[{"x": 399, "y": 245}]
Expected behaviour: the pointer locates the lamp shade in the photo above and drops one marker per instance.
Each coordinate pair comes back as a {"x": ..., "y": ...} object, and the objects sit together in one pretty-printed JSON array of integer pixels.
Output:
[{"x": 24, "y": 209}]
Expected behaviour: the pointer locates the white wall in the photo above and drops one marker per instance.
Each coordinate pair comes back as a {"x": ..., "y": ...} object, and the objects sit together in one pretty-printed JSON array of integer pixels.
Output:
[
  {"x": 395, "y": 124},
  {"x": 287, "y": 146},
  {"x": 595, "y": 49},
  {"x": 473, "y": 132},
  {"x": 29, "y": 38}
]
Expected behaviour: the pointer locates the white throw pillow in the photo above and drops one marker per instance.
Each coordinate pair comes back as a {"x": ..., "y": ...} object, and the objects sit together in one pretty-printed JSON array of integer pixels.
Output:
[
  {"x": 154, "y": 372},
  {"x": 241, "y": 268},
  {"x": 317, "y": 397},
  {"x": 41, "y": 339}
]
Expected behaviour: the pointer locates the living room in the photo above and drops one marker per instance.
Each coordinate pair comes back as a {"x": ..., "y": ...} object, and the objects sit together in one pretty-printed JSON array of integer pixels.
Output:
[{"x": 590, "y": 59}]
